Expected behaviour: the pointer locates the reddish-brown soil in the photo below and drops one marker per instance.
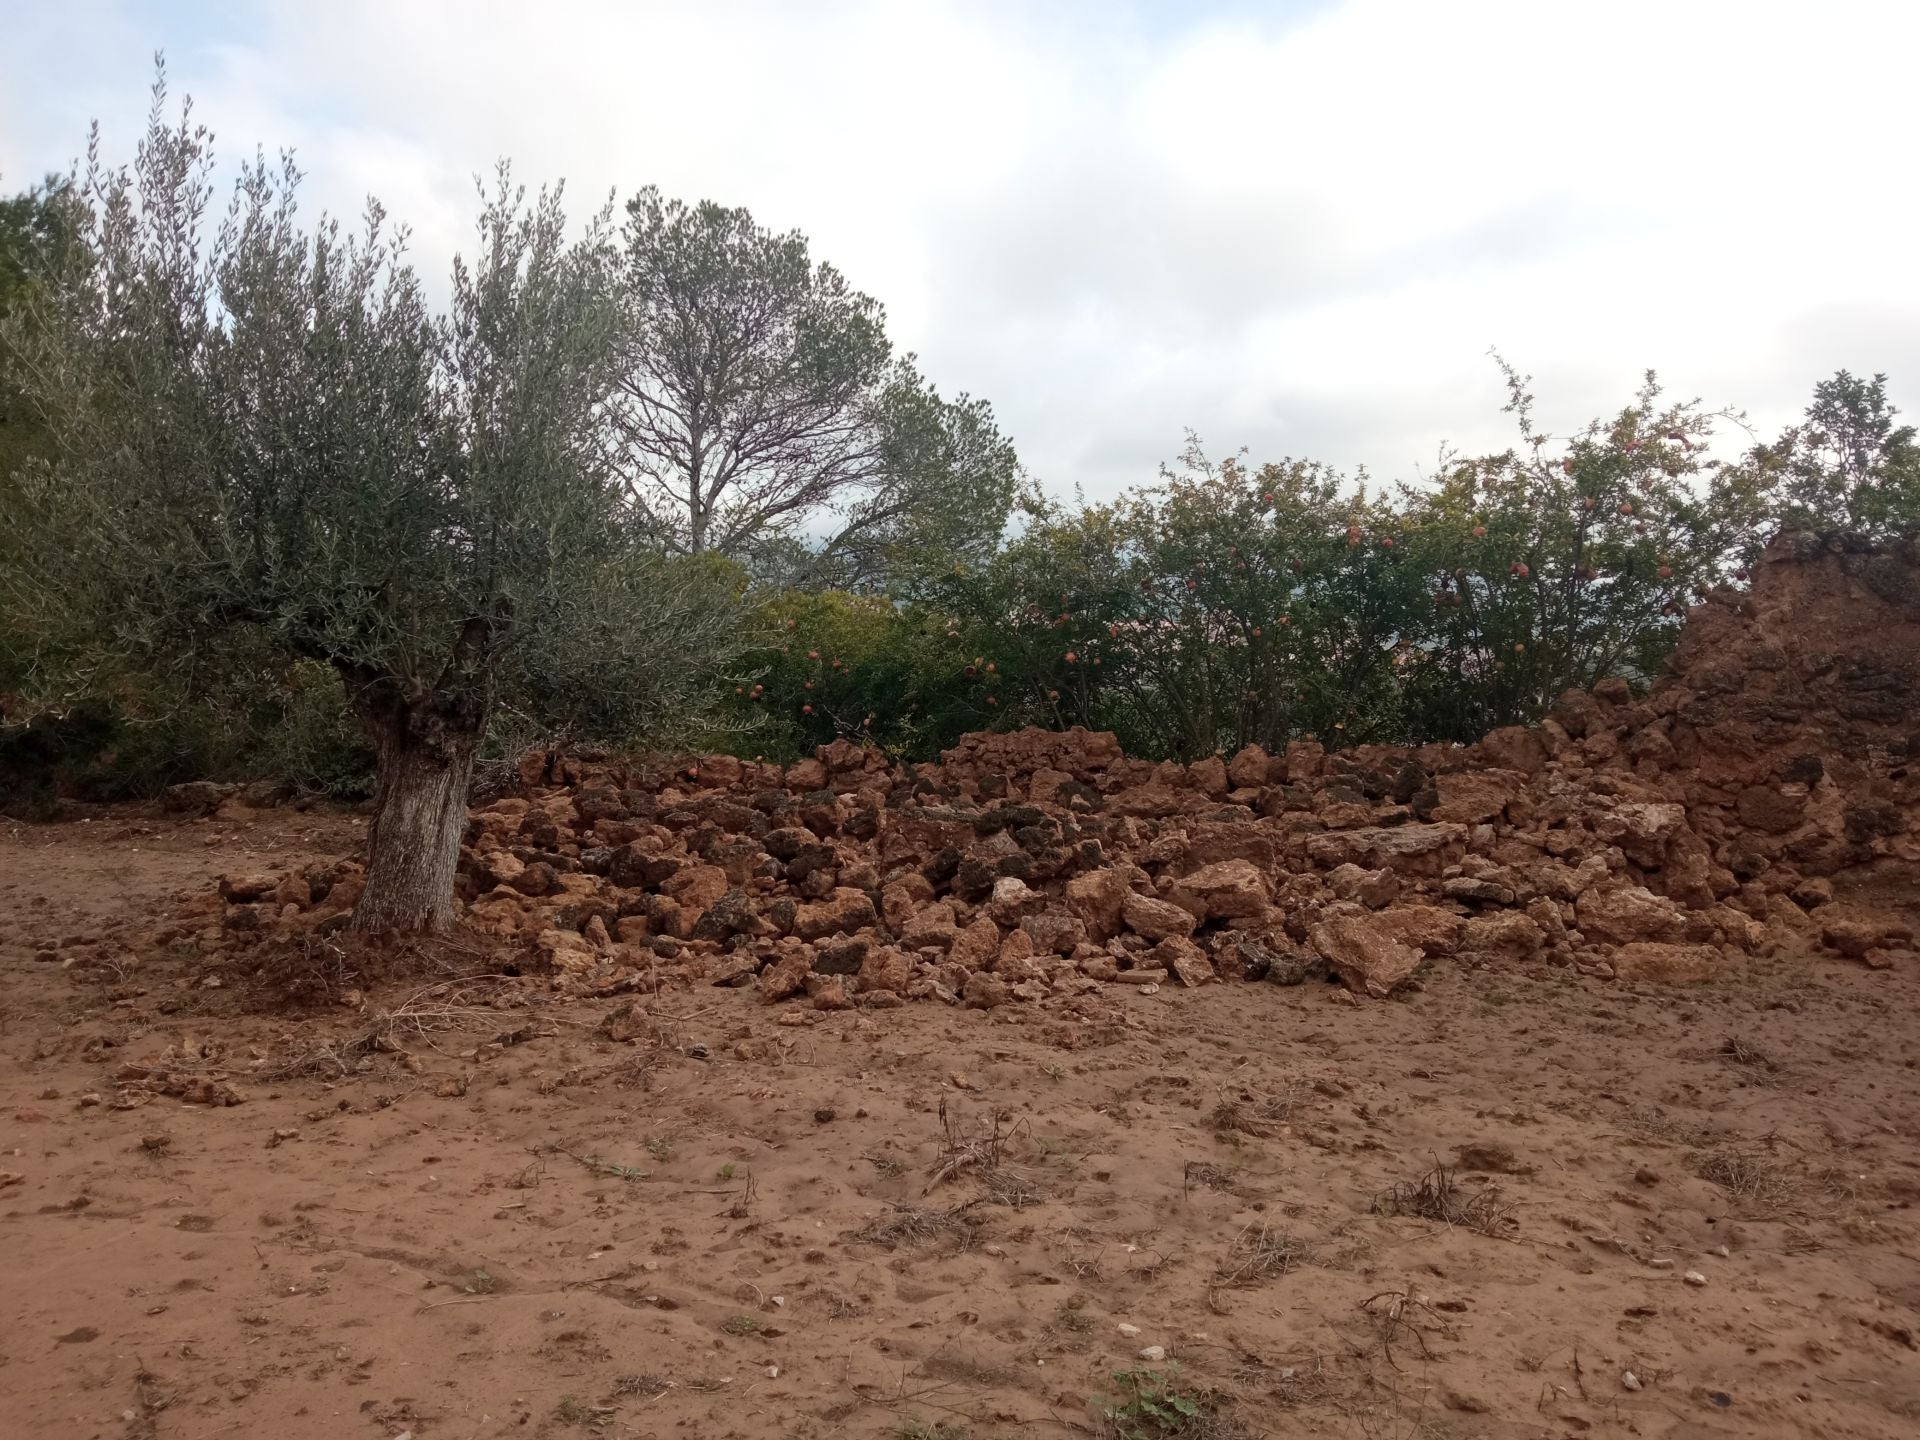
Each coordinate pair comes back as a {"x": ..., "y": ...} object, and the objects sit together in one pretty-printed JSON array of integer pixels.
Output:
[{"x": 752, "y": 1220}]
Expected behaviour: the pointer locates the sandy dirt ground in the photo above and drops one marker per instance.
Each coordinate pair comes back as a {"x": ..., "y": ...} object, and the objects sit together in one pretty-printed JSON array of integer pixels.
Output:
[{"x": 1508, "y": 1204}]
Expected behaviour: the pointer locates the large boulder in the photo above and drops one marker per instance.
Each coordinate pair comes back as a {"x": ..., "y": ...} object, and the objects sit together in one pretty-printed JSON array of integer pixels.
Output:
[
  {"x": 1146, "y": 802},
  {"x": 1362, "y": 952},
  {"x": 1209, "y": 776},
  {"x": 931, "y": 929},
  {"x": 974, "y": 947},
  {"x": 1183, "y": 960},
  {"x": 698, "y": 886},
  {"x": 985, "y": 992},
  {"x": 841, "y": 913},
  {"x": 1643, "y": 829},
  {"x": 1371, "y": 888},
  {"x": 884, "y": 969},
  {"x": 1427, "y": 928},
  {"x": 1096, "y": 898},
  {"x": 1659, "y": 964},
  {"x": 1471, "y": 797},
  {"x": 1411, "y": 850},
  {"x": 1224, "y": 891},
  {"x": 1771, "y": 809},
  {"x": 1155, "y": 919},
  {"x": 1513, "y": 747},
  {"x": 732, "y": 914},
  {"x": 1248, "y": 769},
  {"x": 1507, "y": 935},
  {"x": 1577, "y": 712},
  {"x": 1628, "y": 914},
  {"x": 1051, "y": 930},
  {"x": 786, "y": 976},
  {"x": 1012, "y": 898}
]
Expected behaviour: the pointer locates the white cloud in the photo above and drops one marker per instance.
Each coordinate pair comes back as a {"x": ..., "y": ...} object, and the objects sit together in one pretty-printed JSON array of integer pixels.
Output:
[{"x": 1297, "y": 227}]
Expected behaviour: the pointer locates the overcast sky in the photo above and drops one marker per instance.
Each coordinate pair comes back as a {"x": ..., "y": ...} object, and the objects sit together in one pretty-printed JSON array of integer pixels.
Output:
[{"x": 1296, "y": 226}]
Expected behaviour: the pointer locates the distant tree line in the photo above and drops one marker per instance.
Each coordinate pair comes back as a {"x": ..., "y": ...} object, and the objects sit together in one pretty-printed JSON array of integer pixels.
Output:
[{"x": 1232, "y": 603}]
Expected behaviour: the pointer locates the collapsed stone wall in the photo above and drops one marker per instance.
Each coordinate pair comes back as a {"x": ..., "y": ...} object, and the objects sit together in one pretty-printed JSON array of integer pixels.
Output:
[{"x": 1661, "y": 838}]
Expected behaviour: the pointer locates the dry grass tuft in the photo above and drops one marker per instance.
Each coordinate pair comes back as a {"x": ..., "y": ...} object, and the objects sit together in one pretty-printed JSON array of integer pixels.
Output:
[
  {"x": 912, "y": 1225},
  {"x": 1653, "y": 1125},
  {"x": 649, "y": 1385},
  {"x": 1397, "y": 1314},
  {"x": 302, "y": 973},
  {"x": 1751, "y": 1176},
  {"x": 1259, "y": 1253},
  {"x": 1205, "y": 1175},
  {"x": 1015, "y": 1188},
  {"x": 1750, "y": 1057},
  {"x": 1244, "y": 1113},
  {"x": 961, "y": 1152},
  {"x": 1310, "y": 1381},
  {"x": 1436, "y": 1196},
  {"x": 459, "y": 1005}
]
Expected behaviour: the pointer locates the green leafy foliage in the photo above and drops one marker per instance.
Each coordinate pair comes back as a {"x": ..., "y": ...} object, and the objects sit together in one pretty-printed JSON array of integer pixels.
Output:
[
  {"x": 265, "y": 429},
  {"x": 243, "y": 462},
  {"x": 861, "y": 667},
  {"x": 1847, "y": 466},
  {"x": 1152, "y": 1404},
  {"x": 38, "y": 236},
  {"x": 1228, "y": 605}
]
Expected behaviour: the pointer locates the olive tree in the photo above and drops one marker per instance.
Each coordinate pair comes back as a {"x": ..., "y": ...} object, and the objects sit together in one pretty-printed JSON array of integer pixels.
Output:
[
  {"x": 265, "y": 427},
  {"x": 36, "y": 235},
  {"x": 762, "y": 414}
]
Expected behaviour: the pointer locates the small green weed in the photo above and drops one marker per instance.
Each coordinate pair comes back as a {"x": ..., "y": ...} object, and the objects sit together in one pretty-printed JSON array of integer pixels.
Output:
[{"x": 1151, "y": 1405}]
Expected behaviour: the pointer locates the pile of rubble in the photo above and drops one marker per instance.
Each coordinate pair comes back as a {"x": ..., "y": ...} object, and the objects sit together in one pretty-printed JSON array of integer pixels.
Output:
[{"x": 1659, "y": 839}]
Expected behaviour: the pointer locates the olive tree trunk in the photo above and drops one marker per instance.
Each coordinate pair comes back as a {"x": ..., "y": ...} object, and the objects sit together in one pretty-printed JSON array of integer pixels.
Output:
[{"x": 424, "y": 752}]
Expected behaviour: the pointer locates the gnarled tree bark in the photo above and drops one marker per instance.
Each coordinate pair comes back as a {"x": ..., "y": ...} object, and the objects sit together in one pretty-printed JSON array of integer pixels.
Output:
[
  {"x": 419, "y": 815},
  {"x": 424, "y": 744}
]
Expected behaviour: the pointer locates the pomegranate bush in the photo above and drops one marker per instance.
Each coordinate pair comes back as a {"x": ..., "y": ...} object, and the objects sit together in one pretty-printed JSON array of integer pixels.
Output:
[{"x": 1229, "y": 604}]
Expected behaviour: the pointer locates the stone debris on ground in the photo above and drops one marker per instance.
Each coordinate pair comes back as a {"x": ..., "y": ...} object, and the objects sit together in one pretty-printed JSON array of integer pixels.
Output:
[{"x": 1659, "y": 839}]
